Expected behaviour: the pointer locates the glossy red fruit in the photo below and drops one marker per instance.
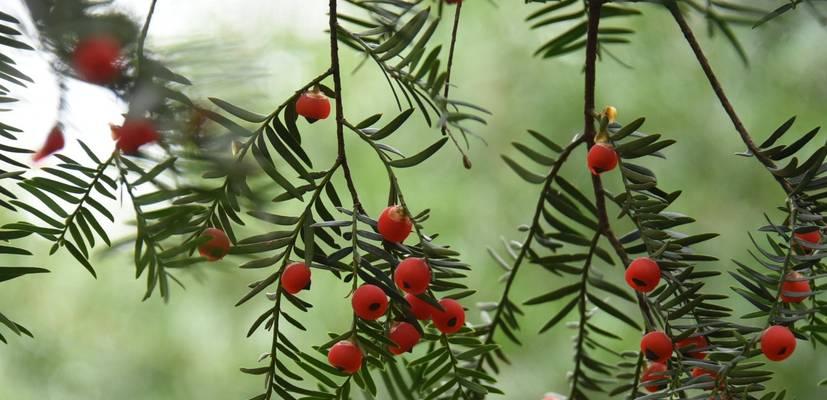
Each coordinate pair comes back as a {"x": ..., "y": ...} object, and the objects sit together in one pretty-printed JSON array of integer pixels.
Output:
[
  {"x": 217, "y": 247},
  {"x": 134, "y": 134},
  {"x": 413, "y": 275},
  {"x": 813, "y": 237},
  {"x": 643, "y": 274},
  {"x": 369, "y": 302},
  {"x": 405, "y": 336},
  {"x": 777, "y": 343},
  {"x": 54, "y": 142},
  {"x": 96, "y": 59},
  {"x": 451, "y": 318},
  {"x": 313, "y": 105},
  {"x": 653, "y": 373},
  {"x": 656, "y": 346},
  {"x": 793, "y": 289},
  {"x": 419, "y": 308},
  {"x": 693, "y": 346},
  {"x": 295, "y": 278},
  {"x": 394, "y": 225},
  {"x": 345, "y": 356},
  {"x": 602, "y": 158}
]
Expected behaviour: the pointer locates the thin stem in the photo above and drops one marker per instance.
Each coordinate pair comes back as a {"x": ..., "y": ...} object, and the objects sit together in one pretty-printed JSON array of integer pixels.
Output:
[
  {"x": 534, "y": 228},
  {"x": 581, "y": 329},
  {"x": 141, "y": 39},
  {"x": 340, "y": 117},
  {"x": 70, "y": 219},
  {"x": 454, "y": 35},
  {"x": 722, "y": 97}
]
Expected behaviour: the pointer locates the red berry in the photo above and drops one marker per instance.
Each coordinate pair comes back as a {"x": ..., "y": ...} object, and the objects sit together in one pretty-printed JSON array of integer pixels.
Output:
[
  {"x": 413, "y": 275},
  {"x": 369, "y": 302},
  {"x": 693, "y": 346},
  {"x": 394, "y": 225},
  {"x": 345, "y": 356},
  {"x": 451, "y": 318},
  {"x": 643, "y": 274},
  {"x": 96, "y": 59},
  {"x": 794, "y": 288},
  {"x": 295, "y": 277},
  {"x": 217, "y": 247},
  {"x": 54, "y": 142},
  {"x": 656, "y": 346},
  {"x": 405, "y": 336},
  {"x": 653, "y": 373},
  {"x": 134, "y": 134},
  {"x": 777, "y": 343},
  {"x": 813, "y": 237},
  {"x": 313, "y": 105},
  {"x": 602, "y": 158},
  {"x": 419, "y": 308}
]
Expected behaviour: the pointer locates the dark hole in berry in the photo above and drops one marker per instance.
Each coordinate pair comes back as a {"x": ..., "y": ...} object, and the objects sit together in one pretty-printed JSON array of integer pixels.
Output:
[
  {"x": 406, "y": 285},
  {"x": 782, "y": 351},
  {"x": 651, "y": 355},
  {"x": 310, "y": 120},
  {"x": 639, "y": 282},
  {"x": 339, "y": 368},
  {"x": 375, "y": 306},
  {"x": 452, "y": 321}
]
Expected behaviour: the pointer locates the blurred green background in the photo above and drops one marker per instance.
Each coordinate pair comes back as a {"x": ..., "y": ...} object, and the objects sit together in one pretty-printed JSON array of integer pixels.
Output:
[{"x": 95, "y": 339}]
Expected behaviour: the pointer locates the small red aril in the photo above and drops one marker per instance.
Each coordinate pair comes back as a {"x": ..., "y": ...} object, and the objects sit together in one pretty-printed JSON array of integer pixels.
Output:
[
  {"x": 451, "y": 318},
  {"x": 394, "y": 224},
  {"x": 419, "y": 308},
  {"x": 53, "y": 143},
  {"x": 693, "y": 346},
  {"x": 133, "y": 134},
  {"x": 602, "y": 158},
  {"x": 813, "y": 237},
  {"x": 217, "y": 247},
  {"x": 295, "y": 278},
  {"x": 369, "y": 302},
  {"x": 656, "y": 346},
  {"x": 643, "y": 274},
  {"x": 777, "y": 343},
  {"x": 795, "y": 289},
  {"x": 313, "y": 105},
  {"x": 413, "y": 275},
  {"x": 96, "y": 59},
  {"x": 345, "y": 356},
  {"x": 655, "y": 372},
  {"x": 405, "y": 336}
]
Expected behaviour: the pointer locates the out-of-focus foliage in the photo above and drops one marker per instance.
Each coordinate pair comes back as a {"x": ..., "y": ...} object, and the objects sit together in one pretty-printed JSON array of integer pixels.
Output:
[{"x": 98, "y": 342}]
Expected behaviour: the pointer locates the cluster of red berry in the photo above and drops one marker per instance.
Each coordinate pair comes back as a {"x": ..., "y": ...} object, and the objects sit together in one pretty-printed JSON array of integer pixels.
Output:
[
  {"x": 98, "y": 59},
  {"x": 777, "y": 342},
  {"x": 412, "y": 276},
  {"x": 644, "y": 274},
  {"x": 369, "y": 302}
]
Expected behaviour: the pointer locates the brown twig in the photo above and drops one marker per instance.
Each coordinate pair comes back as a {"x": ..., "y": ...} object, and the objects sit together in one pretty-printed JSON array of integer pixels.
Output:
[
  {"x": 340, "y": 116},
  {"x": 722, "y": 97}
]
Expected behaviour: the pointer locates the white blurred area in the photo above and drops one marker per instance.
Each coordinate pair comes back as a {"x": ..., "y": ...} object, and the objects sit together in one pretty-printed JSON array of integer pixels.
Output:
[{"x": 181, "y": 32}]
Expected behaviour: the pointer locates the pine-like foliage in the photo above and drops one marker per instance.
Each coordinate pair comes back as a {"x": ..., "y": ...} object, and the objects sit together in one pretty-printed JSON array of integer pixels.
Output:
[{"x": 195, "y": 180}]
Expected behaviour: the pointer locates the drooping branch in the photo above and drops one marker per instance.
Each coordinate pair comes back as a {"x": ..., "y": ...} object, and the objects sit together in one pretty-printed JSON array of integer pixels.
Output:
[
  {"x": 689, "y": 35},
  {"x": 340, "y": 117},
  {"x": 141, "y": 39}
]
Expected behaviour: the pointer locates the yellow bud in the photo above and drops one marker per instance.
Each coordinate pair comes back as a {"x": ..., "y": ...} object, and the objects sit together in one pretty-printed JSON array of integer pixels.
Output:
[{"x": 610, "y": 113}]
